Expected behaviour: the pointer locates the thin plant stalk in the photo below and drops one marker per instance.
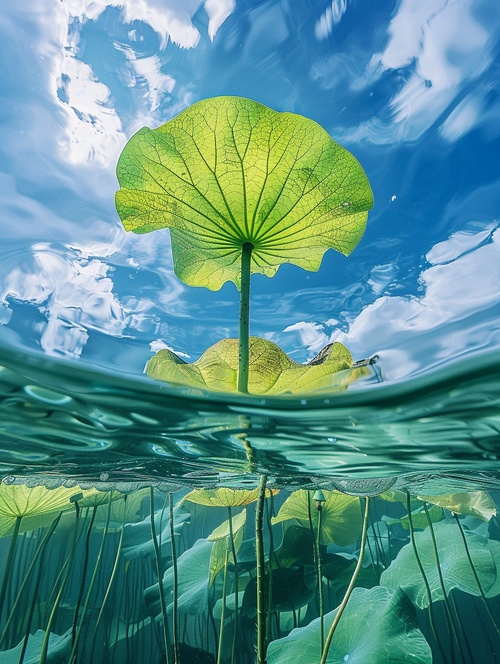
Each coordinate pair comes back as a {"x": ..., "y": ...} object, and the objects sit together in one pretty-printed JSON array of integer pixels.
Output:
[
  {"x": 84, "y": 574},
  {"x": 424, "y": 578},
  {"x": 110, "y": 583},
  {"x": 261, "y": 573},
  {"x": 223, "y": 610},
  {"x": 45, "y": 644},
  {"x": 175, "y": 614},
  {"x": 73, "y": 654},
  {"x": 8, "y": 564},
  {"x": 317, "y": 561},
  {"x": 235, "y": 562},
  {"x": 34, "y": 602},
  {"x": 39, "y": 551},
  {"x": 350, "y": 588},
  {"x": 447, "y": 604},
  {"x": 243, "y": 356},
  {"x": 320, "y": 581},
  {"x": 159, "y": 575},
  {"x": 478, "y": 581}
]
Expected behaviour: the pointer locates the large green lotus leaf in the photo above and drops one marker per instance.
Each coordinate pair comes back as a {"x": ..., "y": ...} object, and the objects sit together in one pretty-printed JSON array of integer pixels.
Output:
[
  {"x": 229, "y": 170},
  {"x": 474, "y": 503},
  {"x": 377, "y": 626},
  {"x": 457, "y": 572},
  {"x": 340, "y": 515},
  {"x": 271, "y": 371},
  {"x": 193, "y": 579}
]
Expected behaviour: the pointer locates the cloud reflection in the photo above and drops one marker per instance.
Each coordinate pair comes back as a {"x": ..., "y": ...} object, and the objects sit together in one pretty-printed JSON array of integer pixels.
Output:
[
  {"x": 457, "y": 297},
  {"x": 437, "y": 48}
]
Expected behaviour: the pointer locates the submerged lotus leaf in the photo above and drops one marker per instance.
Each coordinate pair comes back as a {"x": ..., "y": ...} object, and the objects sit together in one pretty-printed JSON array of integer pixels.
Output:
[
  {"x": 38, "y": 506},
  {"x": 137, "y": 539},
  {"x": 419, "y": 518},
  {"x": 58, "y": 652},
  {"x": 474, "y": 503},
  {"x": 454, "y": 563},
  {"x": 224, "y": 496},
  {"x": 271, "y": 371},
  {"x": 229, "y": 170},
  {"x": 377, "y": 626},
  {"x": 222, "y": 547},
  {"x": 224, "y": 531},
  {"x": 340, "y": 515},
  {"x": 193, "y": 580}
]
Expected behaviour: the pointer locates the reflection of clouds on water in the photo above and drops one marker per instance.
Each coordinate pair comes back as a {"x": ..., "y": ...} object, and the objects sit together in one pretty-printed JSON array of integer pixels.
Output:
[
  {"x": 438, "y": 48},
  {"x": 457, "y": 298},
  {"x": 74, "y": 292}
]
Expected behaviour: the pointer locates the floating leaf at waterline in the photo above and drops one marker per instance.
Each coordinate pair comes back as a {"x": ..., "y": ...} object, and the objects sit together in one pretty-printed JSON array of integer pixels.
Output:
[
  {"x": 340, "y": 515},
  {"x": 474, "y": 503},
  {"x": 376, "y": 626},
  {"x": 229, "y": 171},
  {"x": 271, "y": 371},
  {"x": 404, "y": 571}
]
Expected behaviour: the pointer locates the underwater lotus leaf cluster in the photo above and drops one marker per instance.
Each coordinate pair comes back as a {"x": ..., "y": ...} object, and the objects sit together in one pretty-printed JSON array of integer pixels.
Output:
[
  {"x": 243, "y": 190},
  {"x": 124, "y": 575}
]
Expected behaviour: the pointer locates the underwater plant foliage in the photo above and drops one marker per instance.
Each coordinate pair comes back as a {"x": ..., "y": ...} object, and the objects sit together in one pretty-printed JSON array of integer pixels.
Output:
[{"x": 209, "y": 580}]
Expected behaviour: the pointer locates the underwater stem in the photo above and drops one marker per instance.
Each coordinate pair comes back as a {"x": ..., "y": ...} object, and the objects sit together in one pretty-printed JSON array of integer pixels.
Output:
[
  {"x": 350, "y": 587},
  {"x": 320, "y": 581},
  {"x": 45, "y": 644},
  {"x": 243, "y": 357},
  {"x": 479, "y": 585},
  {"x": 261, "y": 573},
  {"x": 175, "y": 617},
  {"x": 446, "y": 603},
  {"x": 72, "y": 657},
  {"x": 233, "y": 551},
  {"x": 424, "y": 577},
  {"x": 8, "y": 564},
  {"x": 158, "y": 572},
  {"x": 110, "y": 583},
  {"x": 39, "y": 552}
]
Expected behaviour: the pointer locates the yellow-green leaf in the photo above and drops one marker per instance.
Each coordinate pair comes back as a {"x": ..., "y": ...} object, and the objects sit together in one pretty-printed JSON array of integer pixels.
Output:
[
  {"x": 340, "y": 515},
  {"x": 474, "y": 503},
  {"x": 224, "y": 497},
  {"x": 222, "y": 531},
  {"x": 229, "y": 171},
  {"x": 221, "y": 549},
  {"x": 271, "y": 371}
]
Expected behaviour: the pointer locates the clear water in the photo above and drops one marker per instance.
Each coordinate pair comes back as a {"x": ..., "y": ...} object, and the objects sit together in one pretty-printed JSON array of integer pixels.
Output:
[{"x": 410, "y": 89}]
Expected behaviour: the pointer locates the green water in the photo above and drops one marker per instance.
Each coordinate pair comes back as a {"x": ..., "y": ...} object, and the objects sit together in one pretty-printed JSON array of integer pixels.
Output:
[{"x": 87, "y": 456}]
